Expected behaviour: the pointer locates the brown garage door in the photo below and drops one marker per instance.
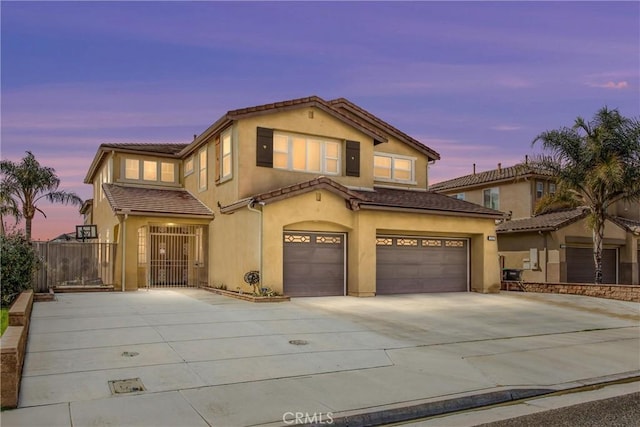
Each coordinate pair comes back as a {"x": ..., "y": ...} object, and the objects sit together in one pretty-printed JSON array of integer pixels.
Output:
[
  {"x": 314, "y": 264},
  {"x": 417, "y": 265},
  {"x": 580, "y": 267}
]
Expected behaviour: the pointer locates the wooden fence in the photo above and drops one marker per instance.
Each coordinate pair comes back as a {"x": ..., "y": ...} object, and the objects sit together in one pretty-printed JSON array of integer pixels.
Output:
[{"x": 74, "y": 263}]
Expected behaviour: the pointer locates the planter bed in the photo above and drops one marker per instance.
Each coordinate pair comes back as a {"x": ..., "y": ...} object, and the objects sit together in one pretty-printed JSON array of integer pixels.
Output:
[{"x": 246, "y": 296}]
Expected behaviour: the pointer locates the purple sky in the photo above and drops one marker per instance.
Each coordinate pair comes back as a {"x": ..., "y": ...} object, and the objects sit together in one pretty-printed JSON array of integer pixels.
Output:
[{"x": 475, "y": 81}]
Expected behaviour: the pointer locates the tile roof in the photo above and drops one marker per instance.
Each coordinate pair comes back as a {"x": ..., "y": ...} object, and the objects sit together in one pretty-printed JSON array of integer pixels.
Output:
[
  {"x": 160, "y": 148},
  {"x": 520, "y": 170},
  {"x": 383, "y": 198},
  {"x": 315, "y": 101},
  {"x": 354, "y": 110},
  {"x": 145, "y": 200},
  {"x": 545, "y": 222},
  {"x": 427, "y": 200},
  {"x": 628, "y": 224},
  {"x": 303, "y": 187}
]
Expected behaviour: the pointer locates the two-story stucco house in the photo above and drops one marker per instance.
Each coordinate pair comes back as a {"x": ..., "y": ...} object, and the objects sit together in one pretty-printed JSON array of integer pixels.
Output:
[
  {"x": 321, "y": 197},
  {"x": 554, "y": 247}
]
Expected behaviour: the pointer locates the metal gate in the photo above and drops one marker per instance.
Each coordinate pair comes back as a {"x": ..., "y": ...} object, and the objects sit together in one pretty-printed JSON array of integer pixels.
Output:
[{"x": 176, "y": 255}]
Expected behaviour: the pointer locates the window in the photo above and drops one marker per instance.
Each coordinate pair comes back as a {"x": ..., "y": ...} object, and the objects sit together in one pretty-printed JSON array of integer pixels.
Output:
[
  {"x": 306, "y": 154},
  {"x": 188, "y": 166},
  {"x": 202, "y": 169},
  {"x": 552, "y": 188},
  {"x": 391, "y": 167},
  {"x": 539, "y": 189},
  {"x": 226, "y": 163},
  {"x": 142, "y": 245},
  {"x": 150, "y": 170},
  {"x": 491, "y": 198},
  {"x": 459, "y": 196},
  {"x": 132, "y": 169},
  {"x": 167, "y": 172}
]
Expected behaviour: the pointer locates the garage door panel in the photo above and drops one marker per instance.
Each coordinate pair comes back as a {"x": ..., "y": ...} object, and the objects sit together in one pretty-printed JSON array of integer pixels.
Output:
[
  {"x": 313, "y": 264},
  {"x": 406, "y": 265},
  {"x": 581, "y": 269}
]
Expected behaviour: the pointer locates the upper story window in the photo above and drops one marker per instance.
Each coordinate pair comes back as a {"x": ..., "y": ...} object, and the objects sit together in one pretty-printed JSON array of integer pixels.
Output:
[
  {"x": 188, "y": 166},
  {"x": 394, "y": 168},
  {"x": 226, "y": 163},
  {"x": 306, "y": 153},
  {"x": 539, "y": 189},
  {"x": 132, "y": 169},
  {"x": 202, "y": 169},
  {"x": 491, "y": 198},
  {"x": 459, "y": 196},
  {"x": 104, "y": 178},
  {"x": 149, "y": 171}
]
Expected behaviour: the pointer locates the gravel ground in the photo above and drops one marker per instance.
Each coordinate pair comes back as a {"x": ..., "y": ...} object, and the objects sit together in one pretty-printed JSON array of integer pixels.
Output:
[{"x": 621, "y": 411}]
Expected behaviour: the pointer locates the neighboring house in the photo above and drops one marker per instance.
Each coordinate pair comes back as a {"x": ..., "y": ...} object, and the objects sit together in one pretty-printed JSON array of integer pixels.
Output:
[
  {"x": 321, "y": 197},
  {"x": 514, "y": 189},
  {"x": 554, "y": 247}
]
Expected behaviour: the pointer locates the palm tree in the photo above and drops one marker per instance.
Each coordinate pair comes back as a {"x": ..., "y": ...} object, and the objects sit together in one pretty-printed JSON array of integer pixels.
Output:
[
  {"x": 27, "y": 183},
  {"x": 596, "y": 164},
  {"x": 8, "y": 207}
]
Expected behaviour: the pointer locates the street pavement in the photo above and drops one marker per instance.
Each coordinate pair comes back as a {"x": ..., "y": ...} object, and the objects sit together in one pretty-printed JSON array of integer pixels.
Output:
[{"x": 204, "y": 359}]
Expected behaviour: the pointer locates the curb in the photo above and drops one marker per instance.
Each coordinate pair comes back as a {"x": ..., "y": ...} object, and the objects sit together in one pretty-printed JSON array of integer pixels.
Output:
[
  {"x": 474, "y": 401},
  {"x": 440, "y": 407}
]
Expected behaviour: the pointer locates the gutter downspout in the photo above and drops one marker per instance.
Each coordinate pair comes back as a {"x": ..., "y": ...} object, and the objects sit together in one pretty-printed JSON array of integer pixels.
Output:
[{"x": 259, "y": 212}]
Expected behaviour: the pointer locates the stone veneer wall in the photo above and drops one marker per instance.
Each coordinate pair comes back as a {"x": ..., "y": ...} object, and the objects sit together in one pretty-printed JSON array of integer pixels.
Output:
[
  {"x": 13, "y": 345},
  {"x": 617, "y": 292}
]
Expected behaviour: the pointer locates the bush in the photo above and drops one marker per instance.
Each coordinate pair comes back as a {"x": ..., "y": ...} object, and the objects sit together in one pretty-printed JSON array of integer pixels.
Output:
[{"x": 19, "y": 262}]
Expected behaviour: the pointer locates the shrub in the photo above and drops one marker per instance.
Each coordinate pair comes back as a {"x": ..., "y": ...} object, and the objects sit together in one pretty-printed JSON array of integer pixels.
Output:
[{"x": 19, "y": 262}]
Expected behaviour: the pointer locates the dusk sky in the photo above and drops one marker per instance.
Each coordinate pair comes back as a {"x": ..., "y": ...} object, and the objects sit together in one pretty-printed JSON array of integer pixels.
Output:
[{"x": 475, "y": 81}]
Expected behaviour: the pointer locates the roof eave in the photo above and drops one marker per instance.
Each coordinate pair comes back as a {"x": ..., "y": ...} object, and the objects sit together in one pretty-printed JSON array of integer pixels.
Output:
[
  {"x": 218, "y": 126},
  {"x": 363, "y": 114},
  {"x": 314, "y": 102},
  {"x": 377, "y": 206},
  {"x": 132, "y": 212}
]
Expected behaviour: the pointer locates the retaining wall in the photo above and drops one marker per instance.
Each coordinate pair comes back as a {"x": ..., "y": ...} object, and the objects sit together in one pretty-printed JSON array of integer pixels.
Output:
[{"x": 617, "y": 292}]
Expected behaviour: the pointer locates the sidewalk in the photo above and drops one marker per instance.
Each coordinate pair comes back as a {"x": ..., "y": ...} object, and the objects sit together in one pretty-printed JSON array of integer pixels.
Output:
[{"x": 205, "y": 359}]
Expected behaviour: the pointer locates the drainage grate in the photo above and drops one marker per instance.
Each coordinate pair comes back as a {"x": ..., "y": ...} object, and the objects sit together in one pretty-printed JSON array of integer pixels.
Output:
[
  {"x": 130, "y": 385},
  {"x": 298, "y": 342}
]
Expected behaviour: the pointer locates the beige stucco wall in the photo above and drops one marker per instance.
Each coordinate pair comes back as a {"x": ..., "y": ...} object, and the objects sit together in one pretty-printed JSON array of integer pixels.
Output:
[
  {"x": 305, "y": 212},
  {"x": 630, "y": 210},
  {"x": 234, "y": 248},
  {"x": 254, "y": 180},
  {"x": 515, "y": 197}
]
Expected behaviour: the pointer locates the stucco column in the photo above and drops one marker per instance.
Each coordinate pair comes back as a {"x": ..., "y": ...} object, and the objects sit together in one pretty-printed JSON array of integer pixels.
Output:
[
  {"x": 628, "y": 273},
  {"x": 362, "y": 258},
  {"x": 485, "y": 264}
]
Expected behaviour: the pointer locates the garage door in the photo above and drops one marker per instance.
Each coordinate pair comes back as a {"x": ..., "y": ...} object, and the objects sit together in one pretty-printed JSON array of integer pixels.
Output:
[
  {"x": 417, "y": 265},
  {"x": 580, "y": 267},
  {"x": 314, "y": 264}
]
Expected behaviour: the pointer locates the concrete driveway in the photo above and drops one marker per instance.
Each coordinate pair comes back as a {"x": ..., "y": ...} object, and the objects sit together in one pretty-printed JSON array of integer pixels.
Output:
[{"x": 205, "y": 359}]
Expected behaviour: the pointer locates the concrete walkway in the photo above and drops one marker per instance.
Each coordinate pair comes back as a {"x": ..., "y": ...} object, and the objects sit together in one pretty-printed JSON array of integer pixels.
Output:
[{"x": 205, "y": 359}]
